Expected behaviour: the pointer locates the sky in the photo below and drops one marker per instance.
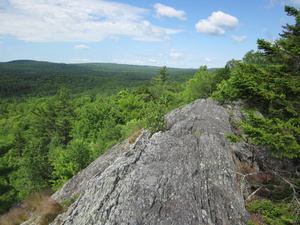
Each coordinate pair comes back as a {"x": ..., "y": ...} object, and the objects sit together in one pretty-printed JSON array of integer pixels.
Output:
[{"x": 172, "y": 33}]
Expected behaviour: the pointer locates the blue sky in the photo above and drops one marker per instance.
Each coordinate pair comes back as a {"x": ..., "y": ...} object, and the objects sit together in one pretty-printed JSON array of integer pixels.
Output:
[{"x": 172, "y": 33}]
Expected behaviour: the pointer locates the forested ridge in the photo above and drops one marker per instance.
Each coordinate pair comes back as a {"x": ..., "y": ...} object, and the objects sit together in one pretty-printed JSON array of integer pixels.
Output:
[
  {"x": 28, "y": 78},
  {"x": 44, "y": 141}
]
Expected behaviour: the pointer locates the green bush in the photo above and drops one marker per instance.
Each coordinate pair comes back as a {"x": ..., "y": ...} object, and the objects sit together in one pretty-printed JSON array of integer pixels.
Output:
[
  {"x": 269, "y": 82},
  {"x": 281, "y": 136},
  {"x": 233, "y": 138},
  {"x": 155, "y": 122},
  {"x": 274, "y": 213}
]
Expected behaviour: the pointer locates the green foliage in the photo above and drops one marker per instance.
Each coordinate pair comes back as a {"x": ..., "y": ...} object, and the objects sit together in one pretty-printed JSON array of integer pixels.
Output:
[
  {"x": 45, "y": 141},
  {"x": 68, "y": 162},
  {"x": 132, "y": 127},
  {"x": 285, "y": 51},
  {"x": 60, "y": 135},
  {"x": 131, "y": 105},
  {"x": 155, "y": 118},
  {"x": 233, "y": 138},
  {"x": 255, "y": 58},
  {"x": 204, "y": 82},
  {"x": 201, "y": 84},
  {"x": 162, "y": 76},
  {"x": 273, "y": 213},
  {"x": 231, "y": 65},
  {"x": 220, "y": 75},
  {"x": 110, "y": 135},
  {"x": 270, "y": 94},
  {"x": 269, "y": 82},
  {"x": 280, "y": 135},
  {"x": 280, "y": 192},
  {"x": 224, "y": 92},
  {"x": 37, "y": 79},
  {"x": 270, "y": 90},
  {"x": 90, "y": 118}
]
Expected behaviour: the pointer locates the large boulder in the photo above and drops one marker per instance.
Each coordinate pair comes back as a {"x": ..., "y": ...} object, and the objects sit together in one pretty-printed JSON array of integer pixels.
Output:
[{"x": 183, "y": 175}]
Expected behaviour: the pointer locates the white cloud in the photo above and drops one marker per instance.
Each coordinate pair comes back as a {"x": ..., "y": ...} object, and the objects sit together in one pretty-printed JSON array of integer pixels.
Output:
[
  {"x": 166, "y": 11},
  {"x": 175, "y": 54},
  {"x": 217, "y": 24},
  {"x": 152, "y": 60},
  {"x": 77, "y": 21},
  {"x": 237, "y": 38},
  {"x": 208, "y": 59},
  {"x": 82, "y": 47},
  {"x": 115, "y": 38}
]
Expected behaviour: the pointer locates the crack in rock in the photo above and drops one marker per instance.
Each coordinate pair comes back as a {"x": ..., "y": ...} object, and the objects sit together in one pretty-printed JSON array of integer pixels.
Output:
[{"x": 185, "y": 175}]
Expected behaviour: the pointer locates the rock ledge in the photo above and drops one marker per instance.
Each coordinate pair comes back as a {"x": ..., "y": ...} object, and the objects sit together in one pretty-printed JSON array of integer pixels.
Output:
[{"x": 185, "y": 175}]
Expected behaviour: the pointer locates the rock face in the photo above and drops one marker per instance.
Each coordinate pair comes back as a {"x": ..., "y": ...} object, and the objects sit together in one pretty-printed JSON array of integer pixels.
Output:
[{"x": 184, "y": 175}]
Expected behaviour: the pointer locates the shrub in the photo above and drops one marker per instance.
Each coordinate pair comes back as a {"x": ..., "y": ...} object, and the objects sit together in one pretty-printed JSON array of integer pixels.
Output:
[{"x": 273, "y": 213}]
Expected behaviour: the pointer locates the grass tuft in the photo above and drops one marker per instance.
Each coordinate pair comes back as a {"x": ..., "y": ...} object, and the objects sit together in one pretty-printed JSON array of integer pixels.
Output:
[{"x": 39, "y": 207}]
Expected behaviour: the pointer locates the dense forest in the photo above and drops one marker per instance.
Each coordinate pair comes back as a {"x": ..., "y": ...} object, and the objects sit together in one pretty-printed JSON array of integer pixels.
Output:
[
  {"x": 27, "y": 78},
  {"x": 57, "y": 118}
]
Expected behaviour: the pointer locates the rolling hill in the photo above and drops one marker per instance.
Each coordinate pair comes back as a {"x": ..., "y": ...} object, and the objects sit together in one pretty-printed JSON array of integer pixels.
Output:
[{"x": 28, "y": 78}]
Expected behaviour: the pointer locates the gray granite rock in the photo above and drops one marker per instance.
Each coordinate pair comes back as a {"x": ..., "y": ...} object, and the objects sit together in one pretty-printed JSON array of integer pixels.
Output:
[{"x": 184, "y": 175}]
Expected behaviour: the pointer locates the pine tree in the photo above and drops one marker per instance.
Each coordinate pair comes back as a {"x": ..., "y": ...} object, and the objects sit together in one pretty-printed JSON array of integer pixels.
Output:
[
  {"x": 273, "y": 88},
  {"x": 162, "y": 76}
]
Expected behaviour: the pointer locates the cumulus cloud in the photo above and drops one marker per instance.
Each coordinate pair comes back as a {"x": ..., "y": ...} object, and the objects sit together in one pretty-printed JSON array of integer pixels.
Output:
[
  {"x": 77, "y": 21},
  {"x": 82, "y": 47},
  {"x": 166, "y": 11},
  {"x": 175, "y": 54},
  {"x": 217, "y": 24},
  {"x": 238, "y": 38}
]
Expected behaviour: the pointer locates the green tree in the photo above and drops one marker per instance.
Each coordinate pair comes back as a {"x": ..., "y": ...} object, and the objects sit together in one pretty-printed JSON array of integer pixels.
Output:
[
  {"x": 91, "y": 118},
  {"x": 273, "y": 88},
  {"x": 256, "y": 58},
  {"x": 13, "y": 140},
  {"x": 201, "y": 85},
  {"x": 162, "y": 76},
  {"x": 68, "y": 161},
  {"x": 65, "y": 115},
  {"x": 285, "y": 51},
  {"x": 131, "y": 105},
  {"x": 231, "y": 65},
  {"x": 49, "y": 123},
  {"x": 220, "y": 75}
]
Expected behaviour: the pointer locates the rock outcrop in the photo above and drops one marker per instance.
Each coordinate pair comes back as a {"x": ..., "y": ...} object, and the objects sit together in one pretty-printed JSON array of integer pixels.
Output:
[{"x": 183, "y": 175}]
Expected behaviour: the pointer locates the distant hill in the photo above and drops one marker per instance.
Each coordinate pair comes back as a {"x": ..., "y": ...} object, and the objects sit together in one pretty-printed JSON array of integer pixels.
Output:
[{"x": 23, "y": 78}]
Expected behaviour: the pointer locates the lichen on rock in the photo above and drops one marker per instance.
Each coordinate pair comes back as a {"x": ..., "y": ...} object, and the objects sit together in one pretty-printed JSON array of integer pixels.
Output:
[{"x": 184, "y": 175}]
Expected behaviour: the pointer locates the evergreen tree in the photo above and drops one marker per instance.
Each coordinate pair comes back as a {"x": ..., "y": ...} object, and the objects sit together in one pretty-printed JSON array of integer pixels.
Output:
[
  {"x": 162, "y": 76},
  {"x": 273, "y": 88},
  {"x": 286, "y": 50}
]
